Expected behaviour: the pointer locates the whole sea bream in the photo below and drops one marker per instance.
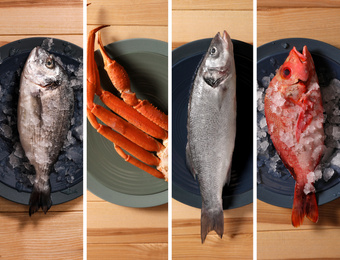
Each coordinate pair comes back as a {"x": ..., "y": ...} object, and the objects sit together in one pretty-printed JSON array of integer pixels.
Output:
[
  {"x": 212, "y": 129},
  {"x": 45, "y": 109}
]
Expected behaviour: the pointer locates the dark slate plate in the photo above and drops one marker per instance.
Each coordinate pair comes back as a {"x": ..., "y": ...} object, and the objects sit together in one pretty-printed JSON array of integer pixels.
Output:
[
  {"x": 185, "y": 189},
  {"x": 279, "y": 190},
  {"x": 67, "y": 174}
]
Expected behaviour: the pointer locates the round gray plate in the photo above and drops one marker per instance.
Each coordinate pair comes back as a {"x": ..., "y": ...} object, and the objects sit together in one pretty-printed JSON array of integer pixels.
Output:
[{"x": 109, "y": 176}]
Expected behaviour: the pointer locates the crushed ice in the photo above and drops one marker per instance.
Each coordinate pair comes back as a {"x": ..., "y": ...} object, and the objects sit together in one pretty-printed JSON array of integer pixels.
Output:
[
  {"x": 330, "y": 163},
  {"x": 14, "y": 165}
]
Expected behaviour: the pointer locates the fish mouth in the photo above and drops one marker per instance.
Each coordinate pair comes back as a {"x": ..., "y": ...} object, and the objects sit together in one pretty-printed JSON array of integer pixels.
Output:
[{"x": 52, "y": 85}]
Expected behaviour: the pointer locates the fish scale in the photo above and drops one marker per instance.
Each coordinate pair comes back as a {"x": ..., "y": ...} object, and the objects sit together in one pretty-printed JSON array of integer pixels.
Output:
[
  {"x": 45, "y": 108},
  {"x": 212, "y": 129}
]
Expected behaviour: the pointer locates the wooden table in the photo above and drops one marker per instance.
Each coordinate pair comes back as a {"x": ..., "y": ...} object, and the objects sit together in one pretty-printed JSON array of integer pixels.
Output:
[
  {"x": 276, "y": 237},
  {"x": 194, "y": 20},
  {"x": 59, "y": 233},
  {"x": 116, "y": 232}
]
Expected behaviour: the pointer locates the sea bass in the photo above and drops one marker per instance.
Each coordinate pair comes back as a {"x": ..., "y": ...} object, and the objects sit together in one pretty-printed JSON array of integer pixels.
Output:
[
  {"x": 294, "y": 114},
  {"x": 212, "y": 129},
  {"x": 45, "y": 109}
]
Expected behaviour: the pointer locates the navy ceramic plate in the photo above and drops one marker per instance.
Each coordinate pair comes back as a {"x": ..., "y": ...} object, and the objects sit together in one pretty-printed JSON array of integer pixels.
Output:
[
  {"x": 278, "y": 189},
  {"x": 15, "y": 172},
  {"x": 185, "y": 189}
]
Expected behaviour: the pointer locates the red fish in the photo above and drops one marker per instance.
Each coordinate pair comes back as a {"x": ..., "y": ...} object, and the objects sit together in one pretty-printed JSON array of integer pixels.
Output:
[{"x": 294, "y": 114}]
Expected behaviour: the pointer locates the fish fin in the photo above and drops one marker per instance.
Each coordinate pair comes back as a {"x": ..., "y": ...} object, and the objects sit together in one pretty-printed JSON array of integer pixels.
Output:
[
  {"x": 227, "y": 181},
  {"x": 211, "y": 219},
  {"x": 40, "y": 199},
  {"x": 188, "y": 161},
  {"x": 312, "y": 211},
  {"x": 304, "y": 205}
]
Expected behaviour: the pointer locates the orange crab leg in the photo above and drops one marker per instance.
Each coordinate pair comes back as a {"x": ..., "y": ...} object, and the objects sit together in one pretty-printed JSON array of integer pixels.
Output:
[
  {"x": 126, "y": 129},
  {"x": 131, "y": 115},
  {"x": 121, "y": 81},
  {"x": 128, "y": 146},
  {"x": 138, "y": 164},
  {"x": 92, "y": 70}
]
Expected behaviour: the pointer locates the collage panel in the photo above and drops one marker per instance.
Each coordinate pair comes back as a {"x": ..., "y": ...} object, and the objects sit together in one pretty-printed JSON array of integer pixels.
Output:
[
  {"x": 41, "y": 137},
  {"x": 298, "y": 137},
  {"x": 212, "y": 136},
  {"x": 127, "y": 107}
]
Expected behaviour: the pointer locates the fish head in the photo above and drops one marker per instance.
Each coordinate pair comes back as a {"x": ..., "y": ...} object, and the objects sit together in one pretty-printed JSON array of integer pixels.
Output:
[
  {"x": 295, "y": 74},
  {"x": 218, "y": 63},
  {"x": 44, "y": 70}
]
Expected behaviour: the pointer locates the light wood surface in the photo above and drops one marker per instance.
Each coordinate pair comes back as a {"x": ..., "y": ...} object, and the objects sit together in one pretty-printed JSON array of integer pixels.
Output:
[
  {"x": 125, "y": 233},
  {"x": 237, "y": 241},
  {"x": 194, "y": 20},
  {"x": 117, "y": 232},
  {"x": 59, "y": 233},
  {"x": 276, "y": 237},
  {"x": 318, "y": 20}
]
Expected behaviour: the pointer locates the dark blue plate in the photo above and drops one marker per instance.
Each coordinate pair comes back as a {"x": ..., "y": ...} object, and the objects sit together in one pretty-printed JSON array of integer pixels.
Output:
[
  {"x": 278, "y": 189},
  {"x": 185, "y": 189},
  {"x": 15, "y": 173}
]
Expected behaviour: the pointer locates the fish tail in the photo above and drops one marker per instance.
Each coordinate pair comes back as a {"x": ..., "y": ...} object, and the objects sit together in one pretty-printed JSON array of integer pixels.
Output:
[
  {"x": 40, "y": 198},
  {"x": 211, "y": 219},
  {"x": 304, "y": 205}
]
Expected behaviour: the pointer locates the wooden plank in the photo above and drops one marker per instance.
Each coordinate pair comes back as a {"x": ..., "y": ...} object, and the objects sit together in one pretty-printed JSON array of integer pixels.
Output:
[
  {"x": 110, "y": 223},
  {"x": 212, "y": 5},
  {"x": 205, "y": 24},
  {"x": 190, "y": 247},
  {"x": 123, "y": 251},
  {"x": 299, "y": 244},
  {"x": 71, "y": 206},
  {"x": 118, "y": 33},
  {"x": 315, "y": 23},
  {"x": 186, "y": 238},
  {"x": 276, "y": 218},
  {"x": 138, "y": 12},
  {"x": 75, "y": 39},
  {"x": 56, "y": 235},
  {"x": 301, "y": 3},
  {"x": 38, "y": 3},
  {"x": 38, "y": 21}
]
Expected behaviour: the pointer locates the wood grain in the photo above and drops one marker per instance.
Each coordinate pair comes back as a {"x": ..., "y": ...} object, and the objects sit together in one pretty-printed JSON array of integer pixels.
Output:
[
  {"x": 314, "y": 23},
  {"x": 123, "y": 231},
  {"x": 138, "y": 12},
  {"x": 56, "y": 235},
  {"x": 212, "y": 5},
  {"x": 300, "y": 3},
  {"x": 309, "y": 241},
  {"x": 152, "y": 251},
  {"x": 186, "y": 238},
  {"x": 188, "y": 26},
  {"x": 29, "y": 20}
]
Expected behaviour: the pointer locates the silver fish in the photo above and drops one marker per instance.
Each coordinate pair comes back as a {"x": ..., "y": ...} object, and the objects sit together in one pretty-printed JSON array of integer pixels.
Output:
[
  {"x": 45, "y": 109},
  {"x": 212, "y": 129}
]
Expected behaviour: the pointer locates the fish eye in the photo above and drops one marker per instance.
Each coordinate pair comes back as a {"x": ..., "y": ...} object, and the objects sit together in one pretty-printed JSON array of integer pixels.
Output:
[
  {"x": 286, "y": 72},
  {"x": 213, "y": 50},
  {"x": 49, "y": 63}
]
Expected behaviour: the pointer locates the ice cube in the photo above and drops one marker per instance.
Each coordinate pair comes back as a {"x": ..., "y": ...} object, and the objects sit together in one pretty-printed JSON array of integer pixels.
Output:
[{"x": 328, "y": 173}]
